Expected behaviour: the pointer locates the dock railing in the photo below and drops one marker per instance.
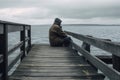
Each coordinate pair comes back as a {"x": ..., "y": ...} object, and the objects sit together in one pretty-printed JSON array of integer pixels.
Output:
[
  {"x": 25, "y": 37},
  {"x": 106, "y": 45}
]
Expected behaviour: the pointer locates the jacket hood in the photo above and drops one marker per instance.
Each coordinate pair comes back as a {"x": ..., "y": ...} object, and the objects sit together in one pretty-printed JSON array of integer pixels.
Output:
[{"x": 57, "y": 21}]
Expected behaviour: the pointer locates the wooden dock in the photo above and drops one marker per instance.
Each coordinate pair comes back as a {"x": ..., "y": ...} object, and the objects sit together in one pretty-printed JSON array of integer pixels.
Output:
[{"x": 54, "y": 63}]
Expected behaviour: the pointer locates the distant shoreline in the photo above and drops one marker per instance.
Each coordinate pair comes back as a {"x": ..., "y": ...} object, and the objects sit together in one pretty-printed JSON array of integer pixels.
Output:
[
  {"x": 91, "y": 24},
  {"x": 81, "y": 25}
]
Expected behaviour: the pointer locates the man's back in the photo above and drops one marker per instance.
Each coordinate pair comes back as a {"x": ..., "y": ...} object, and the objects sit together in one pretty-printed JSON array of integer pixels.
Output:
[{"x": 56, "y": 35}]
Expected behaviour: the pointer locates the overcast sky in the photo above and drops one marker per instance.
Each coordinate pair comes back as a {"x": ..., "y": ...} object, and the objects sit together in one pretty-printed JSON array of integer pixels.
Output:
[{"x": 70, "y": 11}]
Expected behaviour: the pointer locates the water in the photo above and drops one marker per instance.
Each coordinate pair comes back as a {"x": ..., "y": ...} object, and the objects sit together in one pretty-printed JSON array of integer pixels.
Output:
[{"x": 40, "y": 35}]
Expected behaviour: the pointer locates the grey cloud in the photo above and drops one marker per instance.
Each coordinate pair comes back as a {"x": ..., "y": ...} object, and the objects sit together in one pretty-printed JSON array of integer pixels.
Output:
[
  {"x": 9, "y": 3},
  {"x": 82, "y": 11},
  {"x": 108, "y": 11},
  {"x": 20, "y": 3}
]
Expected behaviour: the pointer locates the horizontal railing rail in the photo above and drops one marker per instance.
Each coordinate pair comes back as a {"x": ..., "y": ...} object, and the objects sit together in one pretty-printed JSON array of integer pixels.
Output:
[
  {"x": 5, "y": 29},
  {"x": 11, "y": 23},
  {"x": 15, "y": 47},
  {"x": 107, "y": 45},
  {"x": 12, "y": 27},
  {"x": 15, "y": 60}
]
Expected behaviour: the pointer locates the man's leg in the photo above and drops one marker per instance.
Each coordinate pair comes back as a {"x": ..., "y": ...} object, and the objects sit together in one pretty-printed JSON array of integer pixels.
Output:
[{"x": 67, "y": 41}]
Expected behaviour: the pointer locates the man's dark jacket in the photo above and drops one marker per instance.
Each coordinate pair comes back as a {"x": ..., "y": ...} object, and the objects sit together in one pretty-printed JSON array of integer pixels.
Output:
[{"x": 56, "y": 35}]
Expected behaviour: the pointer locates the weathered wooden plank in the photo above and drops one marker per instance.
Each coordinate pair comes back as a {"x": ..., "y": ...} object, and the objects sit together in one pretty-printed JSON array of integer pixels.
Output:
[
  {"x": 57, "y": 62},
  {"x": 81, "y": 70},
  {"x": 50, "y": 55},
  {"x": 108, "y": 46},
  {"x": 55, "y": 78},
  {"x": 54, "y": 66},
  {"x": 54, "y": 55},
  {"x": 84, "y": 68},
  {"x": 108, "y": 71},
  {"x": 51, "y": 51},
  {"x": 14, "y": 28},
  {"x": 84, "y": 72},
  {"x": 11, "y": 23},
  {"x": 87, "y": 66},
  {"x": 55, "y": 52},
  {"x": 51, "y": 64},
  {"x": 53, "y": 58},
  {"x": 58, "y": 75}
]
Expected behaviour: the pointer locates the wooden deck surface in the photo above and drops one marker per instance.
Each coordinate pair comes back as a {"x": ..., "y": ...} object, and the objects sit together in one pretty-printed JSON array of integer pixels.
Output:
[{"x": 54, "y": 63}]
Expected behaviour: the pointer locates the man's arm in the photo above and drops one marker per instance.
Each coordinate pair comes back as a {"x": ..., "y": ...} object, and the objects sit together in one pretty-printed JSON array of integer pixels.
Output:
[{"x": 59, "y": 31}]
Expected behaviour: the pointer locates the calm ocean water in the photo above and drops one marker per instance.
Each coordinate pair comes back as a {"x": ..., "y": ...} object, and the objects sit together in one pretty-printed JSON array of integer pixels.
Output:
[{"x": 40, "y": 35}]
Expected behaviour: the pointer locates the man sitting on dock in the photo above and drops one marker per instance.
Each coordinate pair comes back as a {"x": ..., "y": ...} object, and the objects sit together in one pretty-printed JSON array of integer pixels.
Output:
[{"x": 57, "y": 37}]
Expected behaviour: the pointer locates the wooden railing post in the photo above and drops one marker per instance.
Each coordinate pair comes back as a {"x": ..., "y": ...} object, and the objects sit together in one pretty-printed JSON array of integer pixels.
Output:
[
  {"x": 29, "y": 41},
  {"x": 86, "y": 46},
  {"x": 22, "y": 38},
  {"x": 116, "y": 62},
  {"x": 4, "y": 52}
]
